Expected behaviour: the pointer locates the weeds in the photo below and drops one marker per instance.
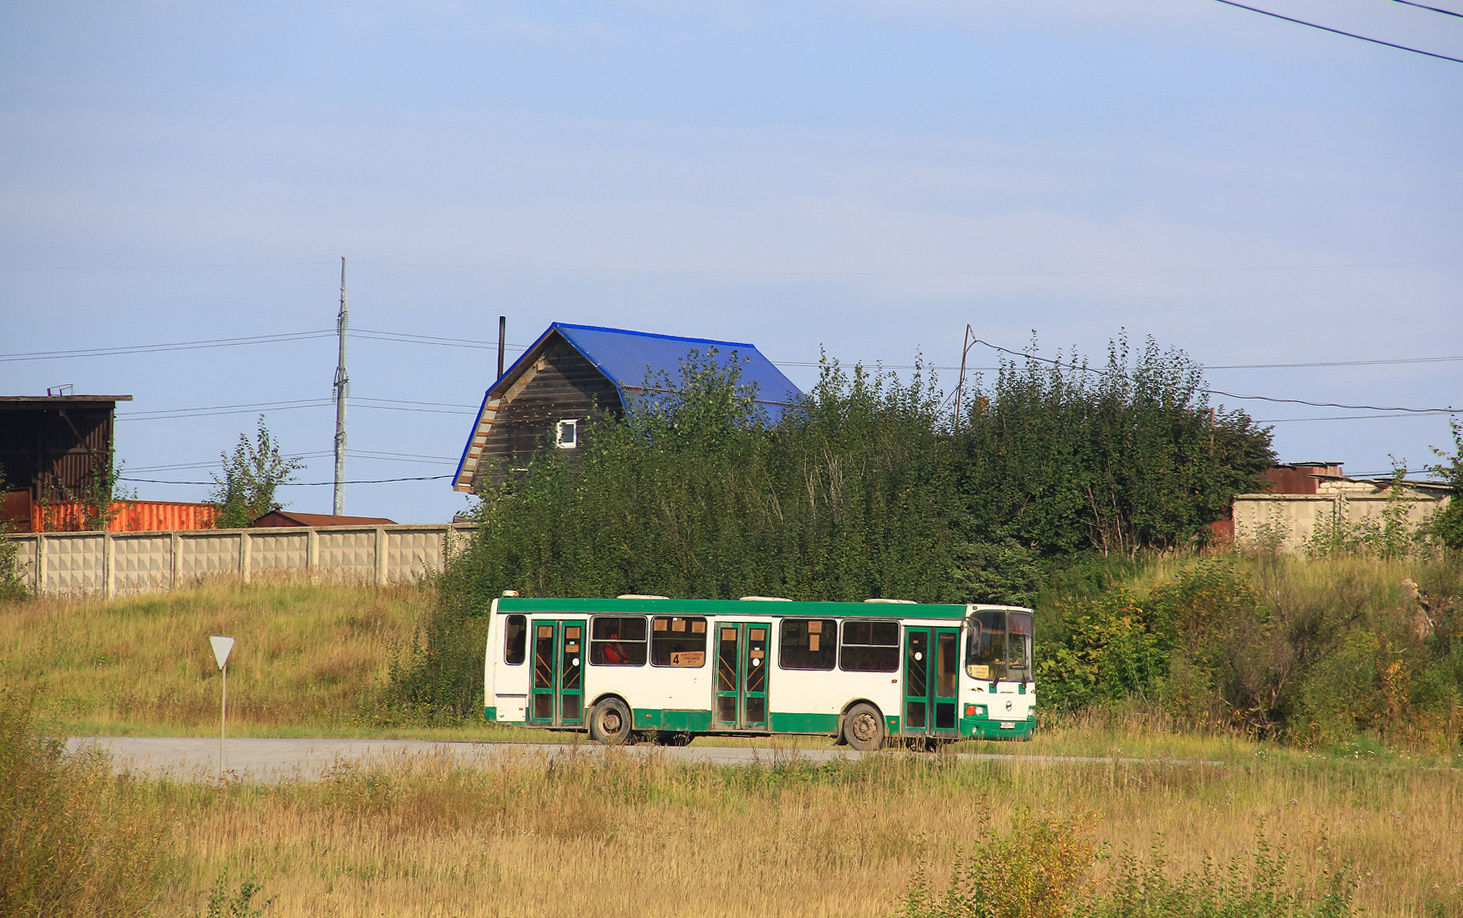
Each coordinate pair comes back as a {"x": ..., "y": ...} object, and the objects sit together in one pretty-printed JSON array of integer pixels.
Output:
[
  {"x": 74, "y": 840},
  {"x": 1042, "y": 868},
  {"x": 1035, "y": 870},
  {"x": 222, "y": 903}
]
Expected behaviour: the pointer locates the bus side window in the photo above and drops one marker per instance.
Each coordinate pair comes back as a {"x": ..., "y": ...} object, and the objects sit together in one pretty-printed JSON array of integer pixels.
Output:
[
  {"x": 678, "y": 641},
  {"x": 808, "y": 643},
  {"x": 870, "y": 647},
  {"x": 515, "y": 640},
  {"x": 618, "y": 641}
]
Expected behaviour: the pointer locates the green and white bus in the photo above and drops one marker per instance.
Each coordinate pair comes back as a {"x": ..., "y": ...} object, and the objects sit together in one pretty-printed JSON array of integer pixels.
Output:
[{"x": 669, "y": 669}]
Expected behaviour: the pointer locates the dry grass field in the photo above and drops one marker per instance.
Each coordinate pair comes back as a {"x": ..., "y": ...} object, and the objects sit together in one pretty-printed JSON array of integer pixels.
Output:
[{"x": 621, "y": 835}]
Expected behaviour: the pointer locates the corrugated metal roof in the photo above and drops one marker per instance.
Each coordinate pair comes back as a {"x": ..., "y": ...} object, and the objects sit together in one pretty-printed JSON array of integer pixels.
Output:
[{"x": 630, "y": 358}]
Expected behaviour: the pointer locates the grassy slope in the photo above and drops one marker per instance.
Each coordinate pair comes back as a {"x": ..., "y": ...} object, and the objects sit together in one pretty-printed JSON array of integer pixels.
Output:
[{"x": 309, "y": 659}]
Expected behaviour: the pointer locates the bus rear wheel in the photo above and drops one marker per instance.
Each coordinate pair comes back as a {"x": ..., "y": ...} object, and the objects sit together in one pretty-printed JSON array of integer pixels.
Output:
[
  {"x": 863, "y": 728},
  {"x": 609, "y": 722}
]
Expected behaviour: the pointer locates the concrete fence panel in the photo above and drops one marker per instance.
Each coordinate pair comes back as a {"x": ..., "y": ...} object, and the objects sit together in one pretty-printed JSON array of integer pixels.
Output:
[
  {"x": 77, "y": 565},
  {"x": 209, "y": 554},
  {"x": 280, "y": 550},
  {"x": 349, "y": 554},
  {"x": 141, "y": 563},
  {"x": 114, "y": 564}
]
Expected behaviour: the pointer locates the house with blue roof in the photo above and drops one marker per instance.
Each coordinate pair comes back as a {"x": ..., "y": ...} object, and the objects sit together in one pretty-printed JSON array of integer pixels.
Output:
[{"x": 571, "y": 371}]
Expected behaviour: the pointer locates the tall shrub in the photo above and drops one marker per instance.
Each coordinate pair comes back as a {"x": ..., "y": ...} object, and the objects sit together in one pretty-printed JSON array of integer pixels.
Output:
[{"x": 1062, "y": 457}]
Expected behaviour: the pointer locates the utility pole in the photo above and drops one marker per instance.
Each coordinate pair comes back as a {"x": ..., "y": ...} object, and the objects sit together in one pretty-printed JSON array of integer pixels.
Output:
[
  {"x": 342, "y": 386},
  {"x": 965, "y": 347}
]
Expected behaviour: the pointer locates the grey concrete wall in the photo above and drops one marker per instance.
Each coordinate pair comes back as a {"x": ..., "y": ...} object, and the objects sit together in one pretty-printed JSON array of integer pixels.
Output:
[
  {"x": 1291, "y": 519},
  {"x": 124, "y": 563}
]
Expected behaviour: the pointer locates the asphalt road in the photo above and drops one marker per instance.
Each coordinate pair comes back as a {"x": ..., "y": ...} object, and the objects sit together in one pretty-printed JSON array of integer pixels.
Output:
[{"x": 275, "y": 760}]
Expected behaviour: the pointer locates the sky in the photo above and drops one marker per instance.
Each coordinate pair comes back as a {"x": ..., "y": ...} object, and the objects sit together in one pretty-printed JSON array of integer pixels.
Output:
[{"x": 857, "y": 179}]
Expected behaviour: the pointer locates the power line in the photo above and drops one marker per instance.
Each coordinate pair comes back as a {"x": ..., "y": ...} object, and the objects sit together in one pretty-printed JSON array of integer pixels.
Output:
[
  {"x": 1261, "y": 398},
  {"x": 293, "y": 484},
  {"x": 1337, "y": 417},
  {"x": 1300, "y": 401},
  {"x": 757, "y": 272},
  {"x": 408, "y": 338},
  {"x": 1398, "y": 361},
  {"x": 1375, "y": 41},
  {"x": 173, "y": 346},
  {"x": 1433, "y": 8},
  {"x": 256, "y": 264},
  {"x": 373, "y": 455},
  {"x": 220, "y": 410}
]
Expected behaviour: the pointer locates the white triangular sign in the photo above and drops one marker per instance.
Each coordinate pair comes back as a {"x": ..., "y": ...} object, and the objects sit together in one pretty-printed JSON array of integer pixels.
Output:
[{"x": 221, "y": 648}]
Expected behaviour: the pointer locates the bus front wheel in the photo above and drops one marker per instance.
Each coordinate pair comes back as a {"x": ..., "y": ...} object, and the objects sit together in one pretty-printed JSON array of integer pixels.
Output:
[
  {"x": 863, "y": 728},
  {"x": 609, "y": 722}
]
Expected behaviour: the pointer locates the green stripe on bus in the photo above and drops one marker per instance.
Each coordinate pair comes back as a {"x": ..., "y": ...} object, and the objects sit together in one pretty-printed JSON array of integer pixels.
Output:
[
  {"x": 733, "y": 607},
  {"x": 490, "y": 714},
  {"x": 804, "y": 723}
]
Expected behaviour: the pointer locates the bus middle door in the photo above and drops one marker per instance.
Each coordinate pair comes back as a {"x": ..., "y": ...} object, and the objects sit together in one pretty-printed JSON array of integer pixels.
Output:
[
  {"x": 558, "y": 673},
  {"x": 931, "y": 674},
  {"x": 740, "y": 701}
]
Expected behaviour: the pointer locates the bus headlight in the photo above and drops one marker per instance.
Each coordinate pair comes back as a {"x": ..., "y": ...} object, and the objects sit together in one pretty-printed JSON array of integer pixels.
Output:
[{"x": 975, "y": 710}]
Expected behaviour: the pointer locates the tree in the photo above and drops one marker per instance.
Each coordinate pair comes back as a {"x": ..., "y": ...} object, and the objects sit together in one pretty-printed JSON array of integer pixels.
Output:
[
  {"x": 246, "y": 489},
  {"x": 1448, "y": 523}
]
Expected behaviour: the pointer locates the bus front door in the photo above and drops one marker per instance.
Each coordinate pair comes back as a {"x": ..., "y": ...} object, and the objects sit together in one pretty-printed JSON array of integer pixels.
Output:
[
  {"x": 741, "y": 676},
  {"x": 931, "y": 673},
  {"x": 558, "y": 673}
]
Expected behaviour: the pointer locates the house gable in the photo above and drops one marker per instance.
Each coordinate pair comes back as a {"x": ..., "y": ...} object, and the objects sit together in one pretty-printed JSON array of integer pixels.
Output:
[{"x": 553, "y": 382}]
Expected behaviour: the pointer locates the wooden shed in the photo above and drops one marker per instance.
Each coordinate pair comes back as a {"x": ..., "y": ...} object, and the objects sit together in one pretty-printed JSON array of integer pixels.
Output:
[
  {"x": 544, "y": 398},
  {"x": 55, "y": 447}
]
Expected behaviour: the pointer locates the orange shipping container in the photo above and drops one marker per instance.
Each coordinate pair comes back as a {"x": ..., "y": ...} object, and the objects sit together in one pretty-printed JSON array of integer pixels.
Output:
[{"x": 131, "y": 516}]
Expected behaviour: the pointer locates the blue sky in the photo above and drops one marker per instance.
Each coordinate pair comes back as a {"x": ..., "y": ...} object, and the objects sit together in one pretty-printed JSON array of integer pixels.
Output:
[{"x": 863, "y": 178}]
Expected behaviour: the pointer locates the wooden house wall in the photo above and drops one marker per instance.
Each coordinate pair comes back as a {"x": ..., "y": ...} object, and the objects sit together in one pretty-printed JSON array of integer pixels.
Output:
[
  {"x": 50, "y": 449},
  {"x": 560, "y": 385}
]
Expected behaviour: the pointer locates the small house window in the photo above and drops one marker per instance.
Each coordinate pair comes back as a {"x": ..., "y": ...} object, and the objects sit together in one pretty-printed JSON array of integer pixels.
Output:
[{"x": 567, "y": 434}]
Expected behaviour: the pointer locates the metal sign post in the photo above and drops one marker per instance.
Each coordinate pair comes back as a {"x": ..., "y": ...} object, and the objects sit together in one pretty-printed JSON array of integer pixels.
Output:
[{"x": 222, "y": 646}]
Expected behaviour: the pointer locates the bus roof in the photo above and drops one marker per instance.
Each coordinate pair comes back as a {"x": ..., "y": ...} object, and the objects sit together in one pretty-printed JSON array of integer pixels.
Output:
[{"x": 744, "y": 607}]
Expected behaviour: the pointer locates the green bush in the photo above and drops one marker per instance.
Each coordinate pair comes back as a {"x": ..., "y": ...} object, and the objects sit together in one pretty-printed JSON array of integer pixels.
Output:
[
  {"x": 74, "y": 840},
  {"x": 1111, "y": 648},
  {"x": 1035, "y": 870}
]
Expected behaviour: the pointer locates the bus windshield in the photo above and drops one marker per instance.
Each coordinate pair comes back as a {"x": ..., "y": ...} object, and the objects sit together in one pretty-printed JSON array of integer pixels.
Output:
[{"x": 999, "y": 645}]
